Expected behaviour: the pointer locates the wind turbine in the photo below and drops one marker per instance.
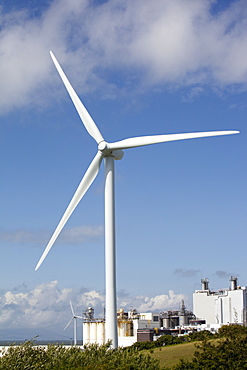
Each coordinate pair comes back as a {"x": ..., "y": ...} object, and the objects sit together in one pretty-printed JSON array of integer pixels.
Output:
[
  {"x": 109, "y": 152},
  {"x": 73, "y": 318}
]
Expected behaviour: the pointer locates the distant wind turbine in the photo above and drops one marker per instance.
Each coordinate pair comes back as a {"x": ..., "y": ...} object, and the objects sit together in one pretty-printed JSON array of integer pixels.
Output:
[
  {"x": 73, "y": 318},
  {"x": 109, "y": 152}
]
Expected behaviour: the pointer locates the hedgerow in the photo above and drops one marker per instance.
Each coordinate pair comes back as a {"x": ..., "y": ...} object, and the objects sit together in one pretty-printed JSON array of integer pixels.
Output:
[{"x": 57, "y": 357}]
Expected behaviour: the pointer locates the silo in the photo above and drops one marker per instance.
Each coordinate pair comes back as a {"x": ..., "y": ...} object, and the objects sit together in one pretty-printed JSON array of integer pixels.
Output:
[
  {"x": 122, "y": 328},
  {"x": 183, "y": 319},
  {"x": 93, "y": 332},
  {"x": 100, "y": 332},
  {"x": 86, "y": 332},
  {"x": 166, "y": 322},
  {"x": 129, "y": 332}
]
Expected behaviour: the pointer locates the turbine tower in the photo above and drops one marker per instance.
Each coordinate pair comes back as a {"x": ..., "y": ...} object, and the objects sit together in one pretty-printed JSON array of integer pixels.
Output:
[
  {"x": 109, "y": 152},
  {"x": 73, "y": 318}
]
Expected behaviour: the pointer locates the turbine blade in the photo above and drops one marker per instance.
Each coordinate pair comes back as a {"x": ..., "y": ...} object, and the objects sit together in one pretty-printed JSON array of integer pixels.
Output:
[
  {"x": 87, "y": 120},
  {"x": 68, "y": 323},
  {"x": 85, "y": 183},
  {"x": 155, "y": 139},
  {"x": 72, "y": 308}
]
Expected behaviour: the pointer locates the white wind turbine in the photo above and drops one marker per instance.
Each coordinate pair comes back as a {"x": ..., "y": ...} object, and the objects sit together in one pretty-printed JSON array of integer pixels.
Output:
[
  {"x": 109, "y": 152},
  {"x": 73, "y": 318}
]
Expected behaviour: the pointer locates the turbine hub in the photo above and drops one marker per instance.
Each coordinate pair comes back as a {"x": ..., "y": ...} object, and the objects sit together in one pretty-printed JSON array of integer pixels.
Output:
[{"x": 103, "y": 148}]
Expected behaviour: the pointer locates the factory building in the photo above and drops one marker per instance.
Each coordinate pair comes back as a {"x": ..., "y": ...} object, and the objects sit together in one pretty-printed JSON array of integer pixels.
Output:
[
  {"x": 135, "y": 327},
  {"x": 93, "y": 328},
  {"x": 171, "y": 319},
  {"x": 132, "y": 327},
  {"x": 227, "y": 306},
  {"x": 211, "y": 310}
]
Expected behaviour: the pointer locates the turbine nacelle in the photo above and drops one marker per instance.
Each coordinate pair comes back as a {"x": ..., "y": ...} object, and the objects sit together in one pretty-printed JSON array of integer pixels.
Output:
[{"x": 117, "y": 154}]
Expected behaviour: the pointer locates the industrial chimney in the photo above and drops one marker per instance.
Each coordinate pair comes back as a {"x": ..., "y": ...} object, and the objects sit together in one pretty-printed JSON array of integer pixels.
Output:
[
  {"x": 233, "y": 281},
  {"x": 204, "y": 284}
]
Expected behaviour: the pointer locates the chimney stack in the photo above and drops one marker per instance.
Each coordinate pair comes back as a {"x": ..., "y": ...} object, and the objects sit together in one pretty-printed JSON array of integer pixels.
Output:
[
  {"x": 233, "y": 281},
  {"x": 205, "y": 283}
]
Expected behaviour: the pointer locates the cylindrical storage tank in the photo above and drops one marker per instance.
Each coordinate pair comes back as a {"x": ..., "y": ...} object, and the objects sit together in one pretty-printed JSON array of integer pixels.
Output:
[
  {"x": 86, "y": 332},
  {"x": 129, "y": 332},
  {"x": 93, "y": 332},
  {"x": 166, "y": 322},
  {"x": 122, "y": 328},
  {"x": 100, "y": 333},
  {"x": 118, "y": 328},
  {"x": 183, "y": 320},
  {"x": 186, "y": 320}
]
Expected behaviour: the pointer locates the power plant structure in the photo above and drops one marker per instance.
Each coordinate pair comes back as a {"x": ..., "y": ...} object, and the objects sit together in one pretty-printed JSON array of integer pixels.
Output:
[
  {"x": 211, "y": 310},
  {"x": 93, "y": 329},
  {"x": 172, "y": 319},
  {"x": 135, "y": 327},
  {"x": 222, "y": 307}
]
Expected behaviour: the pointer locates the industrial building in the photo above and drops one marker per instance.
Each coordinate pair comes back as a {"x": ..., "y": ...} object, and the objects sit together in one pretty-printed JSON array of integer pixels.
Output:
[
  {"x": 211, "y": 310},
  {"x": 135, "y": 327},
  {"x": 172, "y": 319},
  {"x": 227, "y": 306},
  {"x": 132, "y": 326}
]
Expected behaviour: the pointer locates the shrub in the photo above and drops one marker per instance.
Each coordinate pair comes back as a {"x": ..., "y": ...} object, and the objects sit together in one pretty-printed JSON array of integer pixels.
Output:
[
  {"x": 232, "y": 331},
  {"x": 139, "y": 346},
  {"x": 166, "y": 340},
  {"x": 199, "y": 335},
  {"x": 55, "y": 357},
  {"x": 163, "y": 340}
]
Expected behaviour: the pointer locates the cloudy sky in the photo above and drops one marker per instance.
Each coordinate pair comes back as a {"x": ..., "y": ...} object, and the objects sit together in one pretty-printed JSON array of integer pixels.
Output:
[{"x": 140, "y": 68}]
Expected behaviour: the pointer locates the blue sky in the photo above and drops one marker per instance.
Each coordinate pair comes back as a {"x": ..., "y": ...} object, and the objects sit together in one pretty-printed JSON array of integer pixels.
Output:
[{"x": 140, "y": 68}]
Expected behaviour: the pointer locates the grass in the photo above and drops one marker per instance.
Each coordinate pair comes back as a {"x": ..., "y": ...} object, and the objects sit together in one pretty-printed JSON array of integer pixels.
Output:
[{"x": 170, "y": 355}]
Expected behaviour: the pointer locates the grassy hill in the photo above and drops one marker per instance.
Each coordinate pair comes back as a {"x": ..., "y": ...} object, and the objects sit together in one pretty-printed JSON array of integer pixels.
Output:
[
  {"x": 228, "y": 351},
  {"x": 170, "y": 355}
]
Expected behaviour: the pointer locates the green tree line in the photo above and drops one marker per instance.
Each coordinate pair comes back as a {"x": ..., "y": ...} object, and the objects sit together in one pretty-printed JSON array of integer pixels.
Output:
[
  {"x": 227, "y": 351},
  {"x": 57, "y": 357}
]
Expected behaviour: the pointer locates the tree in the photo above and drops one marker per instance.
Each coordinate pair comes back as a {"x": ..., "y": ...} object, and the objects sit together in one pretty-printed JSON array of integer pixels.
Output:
[
  {"x": 199, "y": 335},
  {"x": 232, "y": 331},
  {"x": 92, "y": 357}
]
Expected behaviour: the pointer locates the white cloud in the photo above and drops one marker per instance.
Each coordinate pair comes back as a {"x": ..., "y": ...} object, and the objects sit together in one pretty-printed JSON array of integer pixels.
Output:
[
  {"x": 179, "y": 42},
  {"x": 36, "y": 308},
  {"x": 192, "y": 93},
  {"x": 47, "y": 305},
  {"x": 160, "y": 302}
]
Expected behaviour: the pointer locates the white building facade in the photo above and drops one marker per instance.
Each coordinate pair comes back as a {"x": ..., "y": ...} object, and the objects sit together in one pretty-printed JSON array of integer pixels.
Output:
[{"x": 223, "y": 307}]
